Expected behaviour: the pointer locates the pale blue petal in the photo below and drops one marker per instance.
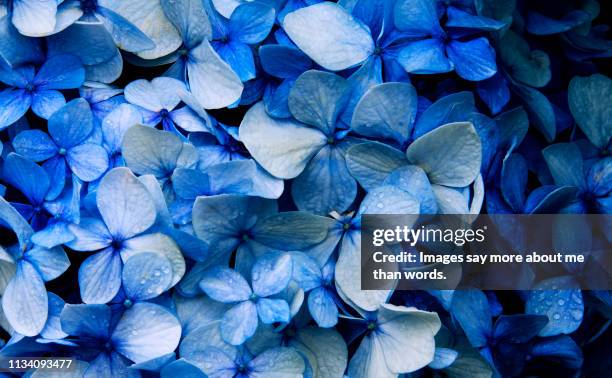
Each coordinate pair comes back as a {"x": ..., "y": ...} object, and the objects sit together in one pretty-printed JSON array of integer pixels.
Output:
[
  {"x": 239, "y": 323},
  {"x": 225, "y": 285},
  {"x": 450, "y": 155},
  {"x": 471, "y": 309},
  {"x": 322, "y": 308},
  {"x": 150, "y": 151},
  {"x": 341, "y": 41},
  {"x": 212, "y": 81},
  {"x": 34, "y": 18},
  {"x": 190, "y": 19},
  {"x": 389, "y": 200},
  {"x": 317, "y": 98},
  {"x": 25, "y": 302},
  {"x": 90, "y": 42},
  {"x": 414, "y": 181},
  {"x": 216, "y": 363},
  {"x": 146, "y": 275},
  {"x": 115, "y": 125},
  {"x": 290, "y": 230},
  {"x": 443, "y": 358},
  {"x": 100, "y": 277},
  {"x": 239, "y": 56},
  {"x": 89, "y": 235},
  {"x": 189, "y": 120},
  {"x": 454, "y": 107},
  {"x": 146, "y": 331},
  {"x": 53, "y": 327},
  {"x": 181, "y": 368},
  {"x": 282, "y": 147},
  {"x": 277, "y": 362},
  {"x": 87, "y": 161},
  {"x": 273, "y": 311},
  {"x": 371, "y": 162},
  {"x": 271, "y": 274},
  {"x": 155, "y": 95},
  {"x": 126, "y": 36},
  {"x": 125, "y": 204},
  {"x": 244, "y": 177}
]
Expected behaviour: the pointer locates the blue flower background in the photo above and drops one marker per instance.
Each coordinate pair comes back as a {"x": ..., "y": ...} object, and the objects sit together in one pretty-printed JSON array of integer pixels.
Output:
[{"x": 183, "y": 181}]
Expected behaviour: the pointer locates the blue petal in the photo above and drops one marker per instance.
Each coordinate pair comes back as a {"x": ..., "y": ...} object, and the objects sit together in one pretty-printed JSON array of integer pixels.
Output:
[
  {"x": 471, "y": 309},
  {"x": 418, "y": 18},
  {"x": 341, "y": 41},
  {"x": 50, "y": 263},
  {"x": 126, "y": 36},
  {"x": 426, "y": 56},
  {"x": 458, "y": 18},
  {"x": 564, "y": 308},
  {"x": 271, "y": 274},
  {"x": 600, "y": 177},
  {"x": 290, "y": 230},
  {"x": 13, "y": 105},
  {"x": 539, "y": 24},
  {"x": 100, "y": 277},
  {"x": 56, "y": 171},
  {"x": 88, "y": 161},
  {"x": 26, "y": 176},
  {"x": 518, "y": 328},
  {"x": 72, "y": 124},
  {"x": 46, "y": 102},
  {"x": 273, "y": 310},
  {"x": 15, "y": 49},
  {"x": 150, "y": 151},
  {"x": 34, "y": 18},
  {"x": 327, "y": 171},
  {"x": 443, "y": 358},
  {"x": 414, "y": 181},
  {"x": 386, "y": 111},
  {"x": 90, "y": 42},
  {"x": 155, "y": 95},
  {"x": 540, "y": 110},
  {"x": 454, "y": 107},
  {"x": 53, "y": 327},
  {"x": 282, "y": 147},
  {"x": 317, "y": 98},
  {"x": 125, "y": 204},
  {"x": 190, "y": 183},
  {"x": 146, "y": 331},
  {"x": 25, "y": 302},
  {"x": 278, "y": 361},
  {"x": 494, "y": 92},
  {"x": 146, "y": 275},
  {"x": 215, "y": 362},
  {"x": 190, "y": 19},
  {"x": 565, "y": 163},
  {"x": 225, "y": 285},
  {"x": 371, "y": 162},
  {"x": 450, "y": 155},
  {"x": 11, "y": 218},
  {"x": 239, "y": 323},
  {"x": 181, "y": 368},
  {"x": 283, "y": 61},
  {"x": 239, "y": 56},
  {"x": 585, "y": 97},
  {"x": 189, "y": 120},
  {"x": 86, "y": 320},
  {"x": 115, "y": 125},
  {"x": 54, "y": 234},
  {"x": 322, "y": 308},
  {"x": 244, "y": 177},
  {"x": 531, "y": 67},
  {"x": 474, "y": 60},
  {"x": 251, "y": 22},
  {"x": 60, "y": 72},
  {"x": 212, "y": 81},
  {"x": 34, "y": 145},
  {"x": 514, "y": 181},
  {"x": 90, "y": 234}
]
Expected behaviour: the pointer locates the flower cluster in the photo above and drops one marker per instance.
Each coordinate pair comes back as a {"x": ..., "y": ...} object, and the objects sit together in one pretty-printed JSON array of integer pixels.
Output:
[{"x": 183, "y": 181}]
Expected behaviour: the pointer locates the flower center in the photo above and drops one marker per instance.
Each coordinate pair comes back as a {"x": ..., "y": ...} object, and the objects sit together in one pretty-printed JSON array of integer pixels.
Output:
[
  {"x": 62, "y": 151},
  {"x": 29, "y": 87},
  {"x": 127, "y": 303},
  {"x": 164, "y": 113},
  {"x": 117, "y": 245},
  {"x": 372, "y": 325}
]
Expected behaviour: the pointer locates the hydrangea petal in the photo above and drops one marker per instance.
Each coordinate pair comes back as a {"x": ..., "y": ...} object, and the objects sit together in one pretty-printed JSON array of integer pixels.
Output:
[
  {"x": 239, "y": 323},
  {"x": 100, "y": 277},
  {"x": 225, "y": 285}
]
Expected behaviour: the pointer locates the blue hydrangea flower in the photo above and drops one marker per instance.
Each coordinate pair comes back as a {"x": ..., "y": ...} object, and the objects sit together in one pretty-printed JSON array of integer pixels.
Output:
[
  {"x": 211, "y": 80},
  {"x": 38, "y": 90},
  {"x": 143, "y": 332},
  {"x": 270, "y": 275},
  {"x": 127, "y": 211},
  {"x": 24, "y": 299},
  {"x": 248, "y": 24},
  {"x": 455, "y": 45},
  {"x": 68, "y": 147},
  {"x": 158, "y": 101}
]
